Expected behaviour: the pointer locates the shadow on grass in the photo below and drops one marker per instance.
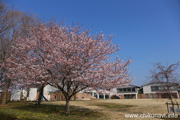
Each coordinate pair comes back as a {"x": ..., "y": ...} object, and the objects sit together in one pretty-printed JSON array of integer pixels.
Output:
[
  {"x": 58, "y": 109},
  {"x": 4, "y": 116},
  {"x": 11, "y": 116},
  {"x": 30, "y": 111}
]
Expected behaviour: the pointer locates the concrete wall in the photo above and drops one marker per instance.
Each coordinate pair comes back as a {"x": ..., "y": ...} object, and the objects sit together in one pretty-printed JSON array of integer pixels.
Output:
[
  {"x": 15, "y": 95},
  {"x": 147, "y": 89},
  {"x": 57, "y": 96},
  {"x": 141, "y": 96},
  {"x": 32, "y": 94},
  {"x": 121, "y": 96},
  {"x": 84, "y": 96}
]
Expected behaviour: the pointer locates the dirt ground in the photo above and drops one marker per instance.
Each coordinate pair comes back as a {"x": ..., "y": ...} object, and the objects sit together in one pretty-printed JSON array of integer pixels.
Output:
[{"x": 139, "y": 106}]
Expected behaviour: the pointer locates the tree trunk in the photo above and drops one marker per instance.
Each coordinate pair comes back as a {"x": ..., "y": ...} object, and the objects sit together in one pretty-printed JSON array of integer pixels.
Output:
[
  {"x": 21, "y": 95},
  {"x": 171, "y": 97},
  {"x": 74, "y": 97},
  {"x": 172, "y": 102},
  {"x": 27, "y": 94},
  {"x": 67, "y": 107},
  {"x": 41, "y": 89},
  {"x": 4, "y": 99}
]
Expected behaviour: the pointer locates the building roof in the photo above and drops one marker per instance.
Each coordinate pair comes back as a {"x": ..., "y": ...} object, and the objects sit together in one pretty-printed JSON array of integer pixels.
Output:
[
  {"x": 153, "y": 83},
  {"x": 128, "y": 86}
]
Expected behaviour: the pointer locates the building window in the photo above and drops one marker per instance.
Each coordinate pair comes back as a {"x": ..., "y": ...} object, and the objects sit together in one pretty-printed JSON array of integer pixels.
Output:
[
  {"x": 124, "y": 89},
  {"x": 95, "y": 95},
  {"x": 154, "y": 88},
  {"x": 174, "y": 88},
  {"x": 166, "y": 88},
  {"x": 129, "y": 89},
  {"x": 101, "y": 96},
  {"x": 161, "y": 88},
  {"x": 133, "y": 89},
  {"x": 152, "y": 96},
  {"x": 106, "y": 96},
  {"x": 119, "y": 90},
  {"x": 178, "y": 89},
  {"x": 147, "y": 96}
]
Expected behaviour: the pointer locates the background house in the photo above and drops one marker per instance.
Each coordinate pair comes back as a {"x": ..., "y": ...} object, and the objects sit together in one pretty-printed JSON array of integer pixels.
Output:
[
  {"x": 156, "y": 90},
  {"x": 126, "y": 92},
  {"x": 147, "y": 91},
  {"x": 98, "y": 94},
  {"x": 48, "y": 90}
]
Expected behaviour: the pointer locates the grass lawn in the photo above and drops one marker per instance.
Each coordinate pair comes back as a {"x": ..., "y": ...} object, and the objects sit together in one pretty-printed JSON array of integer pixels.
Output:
[
  {"x": 30, "y": 111},
  {"x": 83, "y": 110},
  {"x": 117, "y": 109}
]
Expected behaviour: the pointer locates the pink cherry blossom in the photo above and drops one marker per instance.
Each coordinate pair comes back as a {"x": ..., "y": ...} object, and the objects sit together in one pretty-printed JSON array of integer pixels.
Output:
[{"x": 67, "y": 58}]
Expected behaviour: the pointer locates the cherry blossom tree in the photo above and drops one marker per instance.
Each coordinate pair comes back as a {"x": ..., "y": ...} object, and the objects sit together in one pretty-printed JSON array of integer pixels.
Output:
[{"x": 68, "y": 58}]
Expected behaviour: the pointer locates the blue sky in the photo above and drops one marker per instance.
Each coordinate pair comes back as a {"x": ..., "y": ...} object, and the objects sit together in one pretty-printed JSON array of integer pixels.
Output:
[{"x": 148, "y": 31}]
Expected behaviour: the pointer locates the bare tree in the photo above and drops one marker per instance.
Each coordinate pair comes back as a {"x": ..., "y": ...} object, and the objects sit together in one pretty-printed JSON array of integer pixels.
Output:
[
  {"x": 167, "y": 77},
  {"x": 13, "y": 24}
]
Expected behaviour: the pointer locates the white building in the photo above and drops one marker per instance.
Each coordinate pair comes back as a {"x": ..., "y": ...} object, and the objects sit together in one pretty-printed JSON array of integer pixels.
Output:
[
  {"x": 16, "y": 94},
  {"x": 47, "y": 91},
  {"x": 98, "y": 94},
  {"x": 33, "y": 93},
  {"x": 126, "y": 92},
  {"x": 153, "y": 90}
]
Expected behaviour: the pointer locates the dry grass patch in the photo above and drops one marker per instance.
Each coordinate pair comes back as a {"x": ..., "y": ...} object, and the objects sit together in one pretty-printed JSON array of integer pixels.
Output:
[
  {"x": 115, "y": 109},
  {"x": 113, "y": 106},
  {"x": 85, "y": 110}
]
